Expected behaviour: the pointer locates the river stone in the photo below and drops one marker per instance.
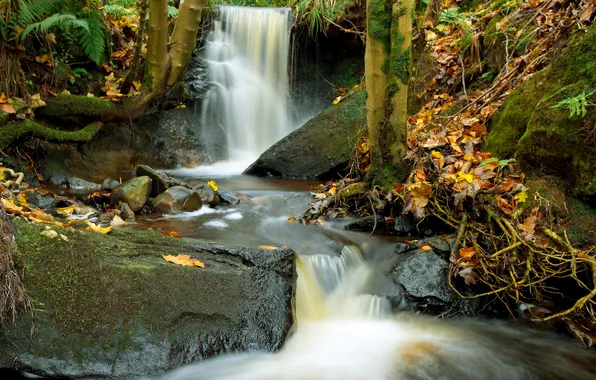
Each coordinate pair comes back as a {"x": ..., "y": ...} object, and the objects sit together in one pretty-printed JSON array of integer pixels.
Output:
[
  {"x": 368, "y": 224},
  {"x": 161, "y": 181},
  {"x": 321, "y": 148},
  {"x": 207, "y": 193},
  {"x": 109, "y": 184},
  {"x": 126, "y": 213},
  {"x": 135, "y": 192},
  {"x": 111, "y": 306},
  {"x": 227, "y": 197},
  {"x": 175, "y": 200},
  {"x": 403, "y": 225},
  {"x": 41, "y": 199}
]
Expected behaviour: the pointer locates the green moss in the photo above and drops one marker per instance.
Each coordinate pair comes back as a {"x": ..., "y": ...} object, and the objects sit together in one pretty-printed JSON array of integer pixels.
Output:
[
  {"x": 76, "y": 105},
  {"x": 14, "y": 131},
  {"x": 379, "y": 24}
]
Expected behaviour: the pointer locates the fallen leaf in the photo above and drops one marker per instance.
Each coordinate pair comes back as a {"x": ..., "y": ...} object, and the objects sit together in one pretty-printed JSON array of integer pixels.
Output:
[
  {"x": 98, "y": 228},
  {"x": 267, "y": 247},
  {"x": 426, "y": 248},
  {"x": 333, "y": 190},
  {"x": 7, "y": 108},
  {"x": 521, "y": 197},
  {"x": 291, "y": 219},
  {"x": 467, "y": 253},
  {"x": 184, "y": 260},
  {"x": 49, "y": 233},
  {"x": 173, "y": 234},
  {"x": 213, "y": 185}
]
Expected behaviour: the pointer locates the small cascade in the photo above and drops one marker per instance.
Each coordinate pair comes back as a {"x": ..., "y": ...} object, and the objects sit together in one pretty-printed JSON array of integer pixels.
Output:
[{"x": 247, "y": 54}]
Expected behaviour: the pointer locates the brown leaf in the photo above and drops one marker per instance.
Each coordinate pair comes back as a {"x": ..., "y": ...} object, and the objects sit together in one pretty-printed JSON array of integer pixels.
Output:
[
  {"x": 467, "y": 253},
  {"x": 7, "y": 108}
]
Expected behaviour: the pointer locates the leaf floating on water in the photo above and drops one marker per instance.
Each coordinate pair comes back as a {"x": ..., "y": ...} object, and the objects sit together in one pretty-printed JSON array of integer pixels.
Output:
[
  {"x": 173, "y": 234},
  {"x": 291, "y": 219},
  {"x": 184, "y": 260}
]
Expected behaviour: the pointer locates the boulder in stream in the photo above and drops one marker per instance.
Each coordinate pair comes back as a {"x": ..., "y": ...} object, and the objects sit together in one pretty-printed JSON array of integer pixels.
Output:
[
  {"x": 161, "y": 181},
  {"x": 321, "y": 148},
  {"x": 111, "y": 306},
  {"x": 208, "y": 195},
  {"x": 135, "y": 192},
  {"x": 175, "y": 200}
]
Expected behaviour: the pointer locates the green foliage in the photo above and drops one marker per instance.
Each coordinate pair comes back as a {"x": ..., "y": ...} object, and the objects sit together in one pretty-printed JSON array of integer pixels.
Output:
[
  {"x": 453, "y": 16},
  {"x": 172, "y": 11},
  {"x": 577, "y": 104},
  {"x": 57, "y": 20},
  {"x": 93, "y": 39},
  {"x": 32, "y": 11},
  {"x": 117, "y": 11}
]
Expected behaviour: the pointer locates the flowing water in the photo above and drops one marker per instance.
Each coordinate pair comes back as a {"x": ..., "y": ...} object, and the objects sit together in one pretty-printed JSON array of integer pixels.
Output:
[{"x": 247, "y": 54}]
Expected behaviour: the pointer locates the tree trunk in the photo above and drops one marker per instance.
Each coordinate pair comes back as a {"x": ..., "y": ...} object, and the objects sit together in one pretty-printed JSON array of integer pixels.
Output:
[
  {"x": 387, "y": 60},
  {"x": 184, "y": 37},
  {"x": 135, "y": 73},
  {"x": 157, "y": 46}
]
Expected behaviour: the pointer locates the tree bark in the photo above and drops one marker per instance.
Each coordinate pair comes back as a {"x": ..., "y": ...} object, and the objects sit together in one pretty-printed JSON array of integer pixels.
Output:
[
  {"x": 157, "y": 46},
  {"x": 184, "y": 37},
  {"x": 387, "y": 60},
  {"x": 135, "y": 73}
]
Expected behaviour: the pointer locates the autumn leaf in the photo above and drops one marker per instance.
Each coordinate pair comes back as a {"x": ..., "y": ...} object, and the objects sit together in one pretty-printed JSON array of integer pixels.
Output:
[
  {"x": 11, "y": 207},
  {"x": 291, "y": 219},
  {"x": 521, "y": 197},
  {"x": 98, "y": 228},
  {"x": 271, "y": 247},
  {"x": 184, "y": 260},
  {"x": 420, "y": 175},
  {"x": 467, "y": 253},
  {"x": 426, "y": 248},
  {"x": 333, "y": 190},
  {"x": 468, "y": 177},
  {"x": 213, "y": 185},
  {"x": 173, "y": 234},
  {"x": 7, "y": 108},
  {"x": 438, "y": 156}
]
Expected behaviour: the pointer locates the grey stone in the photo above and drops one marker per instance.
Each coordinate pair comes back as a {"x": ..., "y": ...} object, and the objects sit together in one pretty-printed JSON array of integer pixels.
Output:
[
  {"x": 132, "y": 314},
  {"x": 161, "y": 181},
  {"x": 42, "y": 200},
  {"x": 207, "y": 193},
  {"x": 126, "y": 213},
  {"x": 110, "y": 184},
  {"x": 227, "y": 197},
  {"x": 403, "y": 225},
  {"x": 175, "y": 200}
]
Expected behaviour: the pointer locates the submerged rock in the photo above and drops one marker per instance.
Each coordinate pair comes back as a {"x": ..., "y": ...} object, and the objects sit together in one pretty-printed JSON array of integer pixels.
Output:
[
  {"x": 41, "y": 199},
  {"x": 321, "y": 148},
  {"x": 135, "y": 192},
  {"x": 111, "y": 306},
  {"x": 227, "y": 197}
]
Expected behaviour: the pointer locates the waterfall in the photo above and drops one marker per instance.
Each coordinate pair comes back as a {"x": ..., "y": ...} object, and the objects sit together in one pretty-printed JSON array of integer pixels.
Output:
[{"x": 247, "y": 54}]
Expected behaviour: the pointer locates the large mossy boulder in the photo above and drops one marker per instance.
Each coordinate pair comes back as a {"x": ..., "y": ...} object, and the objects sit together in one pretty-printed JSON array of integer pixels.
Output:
[
  {"x": 111, "y": 306},
  {"x": 321, "y": 148},
  {"x": 539, "y": 132},
  {"x": 135, "y": 192}
]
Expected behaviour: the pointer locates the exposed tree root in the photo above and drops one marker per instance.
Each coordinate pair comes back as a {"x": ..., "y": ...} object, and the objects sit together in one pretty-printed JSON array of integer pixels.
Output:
[{"x": 15, "y": 131}]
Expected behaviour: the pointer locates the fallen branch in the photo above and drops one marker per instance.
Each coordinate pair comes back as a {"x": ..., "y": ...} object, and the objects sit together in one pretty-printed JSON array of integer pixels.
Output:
[{"x": 12, "y": 132}]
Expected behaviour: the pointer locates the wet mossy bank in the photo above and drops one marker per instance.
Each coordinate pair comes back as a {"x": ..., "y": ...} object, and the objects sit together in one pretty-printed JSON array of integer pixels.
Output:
[
  {"x": 546, "y": 138},
  {"x": 112, "y": 306}
]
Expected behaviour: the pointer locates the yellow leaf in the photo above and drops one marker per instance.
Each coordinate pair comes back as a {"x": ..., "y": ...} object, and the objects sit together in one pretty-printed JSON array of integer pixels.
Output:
[
  {"x": 337, "y": 100},
  {"x": 426, "y": 248},
  {"x": 333, "y": 190},
  {"x": 184, "y": 260},
  {"x": 98, "y": 228},
  {"x": 267, "y": 247},
  {"x": 11, "y": 207},
  {"x": 291, "y": 219},
  {"x": 137, "y": 85},
  {"x": 439, "y": 157},
  {"x": 468, "y": 177},
  {"x": 521, "y": 197},
  {"x": 213, "y": 185}
]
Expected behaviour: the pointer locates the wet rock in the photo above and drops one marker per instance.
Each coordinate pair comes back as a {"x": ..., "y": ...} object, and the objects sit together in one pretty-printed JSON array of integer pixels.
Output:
[
  {"x": 64, "y": 181},
  {"x": 126, "y": 213},
  {"x": 175, "y": 200},
  {"x": 41, "y": 199},
  {"x": 337, "y": 129},
  {"x": 110, "y": 184},
  {"x": 207, "y": 193},
  {"x": 161, "y": 181},
  {"x": 105, "y": 219},
  {"x": 132, "y": 314},
  {"x": 135, "y": 192},
  {"x": 403, "y": 247},
  {"x": 440, "y": 246},
  {"x": 423, "y": 274},
  {"x": 368, "y": 224},
  {"x": 403, "y": 225},
  {"x": 227, "y": 197}
]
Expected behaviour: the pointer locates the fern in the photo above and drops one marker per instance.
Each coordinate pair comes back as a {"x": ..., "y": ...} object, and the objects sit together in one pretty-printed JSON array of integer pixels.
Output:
[
  {"x": 93, "y": 40},
  {"x": 172, "y": 11},
  {"x": 117, "y": 11},
  {"x": 32, "y": 11},
  {"x": 577, "y": 104},
  {"x": 56, "y": 20}
]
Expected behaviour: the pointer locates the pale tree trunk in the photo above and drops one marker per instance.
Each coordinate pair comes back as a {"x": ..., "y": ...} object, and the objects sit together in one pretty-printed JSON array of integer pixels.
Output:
[
  {"x": 431, "y": 17},
  {"x": 157, "y": 46},
  {"x": 184, "y": 36},
  {"x": 388, "y": 60}
]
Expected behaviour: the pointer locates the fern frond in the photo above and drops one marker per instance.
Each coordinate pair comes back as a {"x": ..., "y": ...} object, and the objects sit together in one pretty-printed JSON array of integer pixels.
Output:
[
  {"x": 32, "y": 11},
  {"x": 93, "y": 40},
  {"x": 56, "y": 20},
  {"x": 172, "y": 11}
]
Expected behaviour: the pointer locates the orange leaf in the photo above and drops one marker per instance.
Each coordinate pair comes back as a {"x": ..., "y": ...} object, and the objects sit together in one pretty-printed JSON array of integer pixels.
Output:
[
  {"x": 7, "y": 108},
  {"x": 426, "y": 248},
  {"x": 172, "y": 234},
  {"x": 333, "y": 190},
  {"x": 184, "y": 260},
  {"x": 467, "y": 253},
  {"x": 267, "y": 247}
]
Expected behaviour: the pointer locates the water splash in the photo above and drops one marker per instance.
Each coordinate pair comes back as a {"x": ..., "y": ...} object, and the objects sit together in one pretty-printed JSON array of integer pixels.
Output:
[{"x": 247, "y": 55}]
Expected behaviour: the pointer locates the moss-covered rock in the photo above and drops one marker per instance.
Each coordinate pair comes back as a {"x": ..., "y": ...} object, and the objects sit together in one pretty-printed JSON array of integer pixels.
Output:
[
  {"x": 321, "y": 148},
  {"x": 135, "y": 192},
  {"x": 112, "y": 306},
  {"x": 548, "y": 139}
]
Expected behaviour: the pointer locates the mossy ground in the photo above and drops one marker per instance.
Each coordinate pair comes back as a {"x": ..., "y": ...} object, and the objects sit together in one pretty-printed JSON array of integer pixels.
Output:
[{"x": 66, "y": 105}]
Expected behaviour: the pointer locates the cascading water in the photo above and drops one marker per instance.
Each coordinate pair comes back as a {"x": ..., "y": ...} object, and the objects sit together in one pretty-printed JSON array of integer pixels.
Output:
[{"x": 247, "y": 54}]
